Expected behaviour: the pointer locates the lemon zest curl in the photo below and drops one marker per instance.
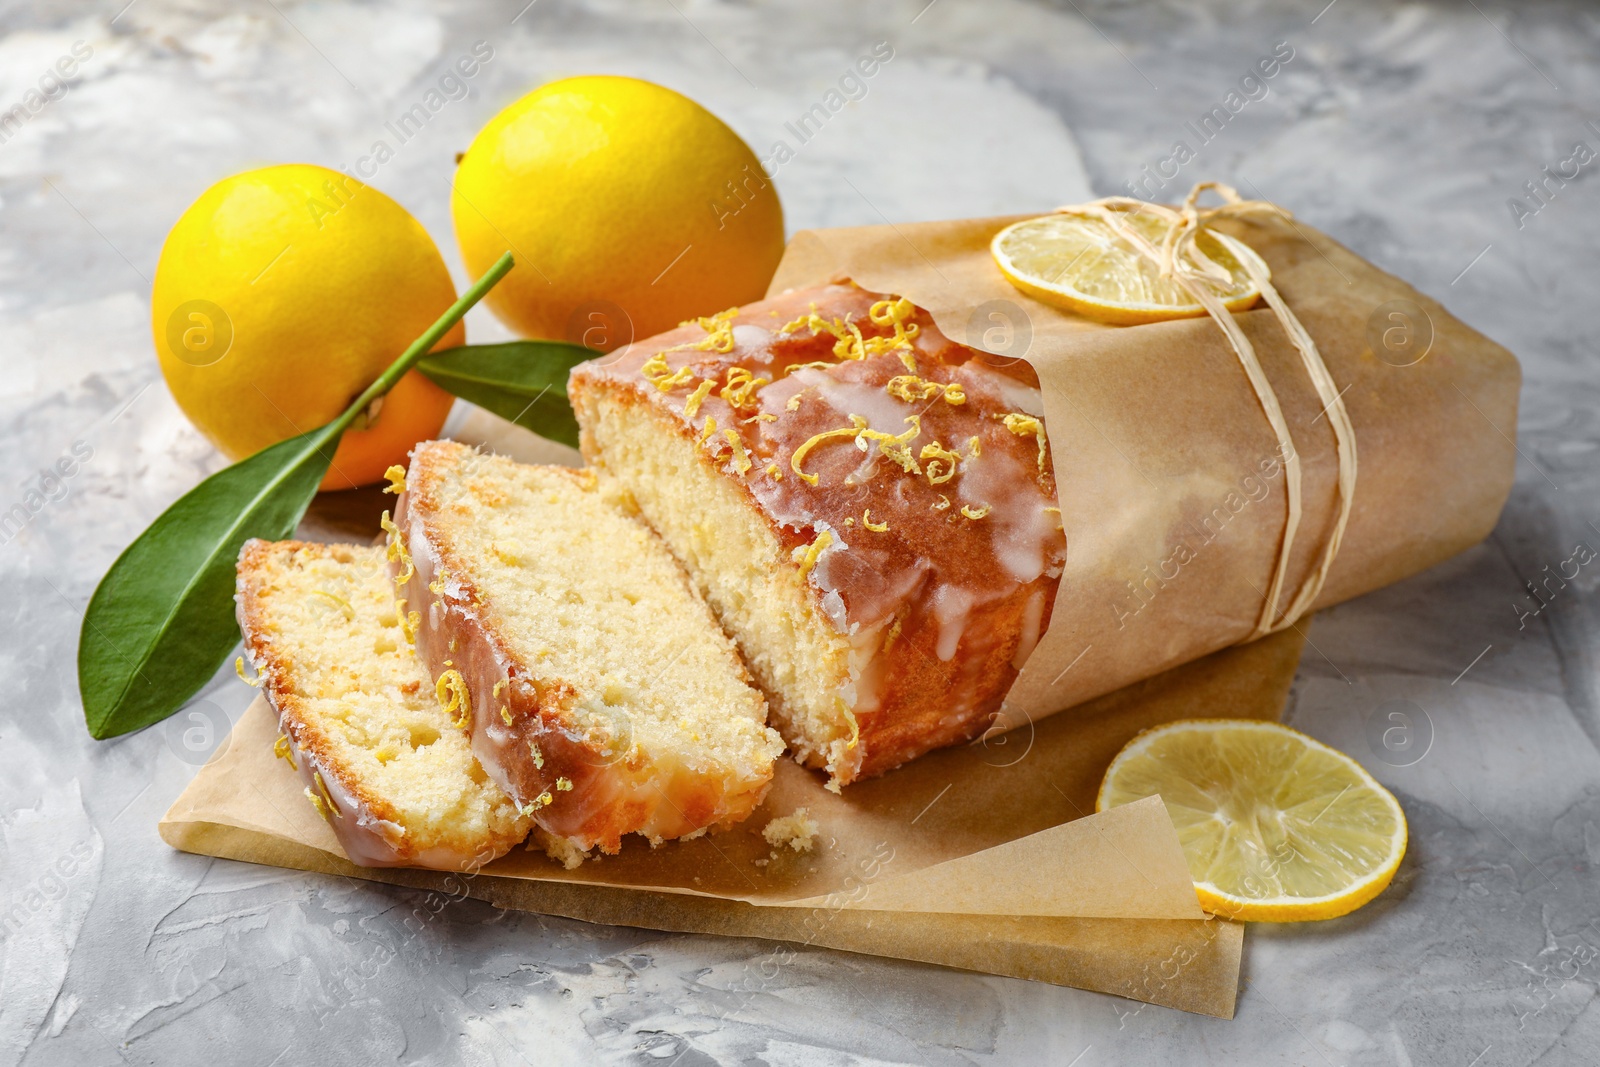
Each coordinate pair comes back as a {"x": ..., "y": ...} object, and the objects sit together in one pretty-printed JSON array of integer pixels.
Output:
[
  {"x": 657, "y": 373},
  {"x": 941, "y": 463},
  {"x": 454, "y": 698},
  {"x": 799, "y": 455},
  {"x": 1023, "y": 425},
  {"x": 741, "y": 457},
  {"x": 691, "y": 406},
  {"x": 808, "y": 559},
  {"x": 283, "y": 748}
]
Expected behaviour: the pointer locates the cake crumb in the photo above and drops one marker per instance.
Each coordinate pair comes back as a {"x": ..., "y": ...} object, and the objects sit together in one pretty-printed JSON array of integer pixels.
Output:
[
  {"x": 797, "y": 830},
  {"x": 563, "y": 850}
]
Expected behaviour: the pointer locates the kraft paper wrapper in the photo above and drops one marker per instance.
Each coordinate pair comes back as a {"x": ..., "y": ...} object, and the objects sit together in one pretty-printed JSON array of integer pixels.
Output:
[
  {"x": 985, "y": 857},
  {"x": 1154, "y": 428}
]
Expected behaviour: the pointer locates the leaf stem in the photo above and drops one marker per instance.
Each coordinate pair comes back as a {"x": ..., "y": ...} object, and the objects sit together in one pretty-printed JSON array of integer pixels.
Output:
[{"x": 424, "y": 344}]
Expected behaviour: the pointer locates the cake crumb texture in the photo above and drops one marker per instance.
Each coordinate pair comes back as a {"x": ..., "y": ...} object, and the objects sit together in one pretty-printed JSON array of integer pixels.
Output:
[{"x": 797, "y": 830}]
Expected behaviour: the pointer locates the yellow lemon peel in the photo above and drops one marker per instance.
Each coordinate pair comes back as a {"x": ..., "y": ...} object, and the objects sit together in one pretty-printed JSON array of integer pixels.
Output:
[
  {"x": 859, "y": 424},
  {"x": 844, "y": 347},
  {"x": 741, "y": 458},
  {"x": 794, "y": 324},
  {"x": 709, "y": 429},
  {"x": 850, "y": 717},
  {"x": 875, "y": 527},
  {"x": 409, "y": 620},
  {"x": 808, "y": 555},
  {"x": 322, "y": 800},
  {"x": 898, "y": 446},
  {"x": 1023, "y": 425},
  {"x": 910, "y": 388},
  {"x": 941, "y": 463},
  {"x": 283, "y": 749},
  {"x": 849, "y": 344},
  {"x": 656, "y": 372},
  {"x": 397, "y": 479},
  {"x": 691, "y": 406},
  {"x": 740, "y": 386},
  {"x": 719, "y": 333},
  {"x": 454, "y": 699},
  {"x": 238, "y": 668},
  {"x": 976, "y": 513},
  {"x": 397, "y": 551},
  {"x": 895, "y": 312},
  {"x": 317, "y": 802}
]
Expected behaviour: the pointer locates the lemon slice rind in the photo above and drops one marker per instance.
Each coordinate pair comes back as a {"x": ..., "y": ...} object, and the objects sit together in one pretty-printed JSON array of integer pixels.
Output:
[
  {"x": 1358, "y": 889},
  {"x": 1060, "y": 292}
]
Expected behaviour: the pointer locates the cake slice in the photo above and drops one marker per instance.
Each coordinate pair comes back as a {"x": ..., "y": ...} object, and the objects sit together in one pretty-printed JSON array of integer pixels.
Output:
[
  {"x": 868, "y": 506},
  {"x": 381, "y": 761},
  {"x": 596, "y": 685}
]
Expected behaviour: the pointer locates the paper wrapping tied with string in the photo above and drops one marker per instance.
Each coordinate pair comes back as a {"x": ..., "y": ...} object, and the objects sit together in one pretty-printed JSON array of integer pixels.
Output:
[
  {"x": 988, "y": 856},
  {"x": 1169, "y": 470}
]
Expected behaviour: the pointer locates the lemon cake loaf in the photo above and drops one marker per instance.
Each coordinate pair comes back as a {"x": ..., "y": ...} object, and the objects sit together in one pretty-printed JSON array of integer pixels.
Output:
[
  {"x": 596, "y": 685},
  {"x": 380, "y": 760},
  {"x": 868, "y": 506}
]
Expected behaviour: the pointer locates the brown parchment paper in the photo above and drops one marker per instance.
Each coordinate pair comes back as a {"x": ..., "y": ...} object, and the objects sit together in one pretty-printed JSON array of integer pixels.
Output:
[
  {"x": 985, "y": 857},
  {"x": 1160, "y": 445}
]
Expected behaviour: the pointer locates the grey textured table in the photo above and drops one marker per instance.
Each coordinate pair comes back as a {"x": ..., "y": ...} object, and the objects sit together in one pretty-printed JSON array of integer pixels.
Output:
[{"x": 1404, "y": 133}]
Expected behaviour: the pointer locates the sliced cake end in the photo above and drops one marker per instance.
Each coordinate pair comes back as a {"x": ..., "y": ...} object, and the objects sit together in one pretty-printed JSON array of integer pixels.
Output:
[{"x": 381, "y": 761}]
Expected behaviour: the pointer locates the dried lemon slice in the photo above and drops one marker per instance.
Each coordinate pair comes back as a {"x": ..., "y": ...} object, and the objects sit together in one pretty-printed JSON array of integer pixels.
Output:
[
  {"x": 1083, "y": 264},
  {"x": 1277, "y": 827}
]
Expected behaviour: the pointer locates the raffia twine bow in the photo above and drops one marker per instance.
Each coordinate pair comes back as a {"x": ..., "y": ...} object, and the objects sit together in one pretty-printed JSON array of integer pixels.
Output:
[{"x": 1179, "y": 258}]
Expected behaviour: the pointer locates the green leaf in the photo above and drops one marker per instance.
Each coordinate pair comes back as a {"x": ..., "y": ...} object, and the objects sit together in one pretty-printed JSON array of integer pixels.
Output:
[
  {"x": 161, "y": 621},
  {"x": 523, "y": 381}
]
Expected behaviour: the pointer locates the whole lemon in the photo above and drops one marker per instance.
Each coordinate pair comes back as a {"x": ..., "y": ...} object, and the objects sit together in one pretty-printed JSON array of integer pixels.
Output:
[
  {"x": 280, "y": 295},
  {"x": 628, "y": 206}
]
